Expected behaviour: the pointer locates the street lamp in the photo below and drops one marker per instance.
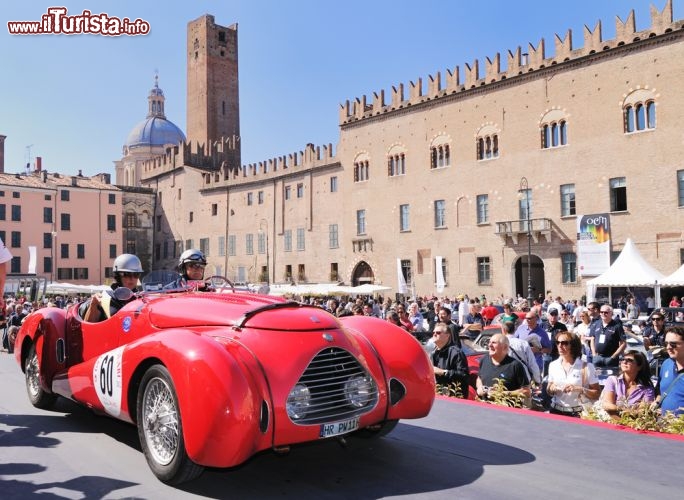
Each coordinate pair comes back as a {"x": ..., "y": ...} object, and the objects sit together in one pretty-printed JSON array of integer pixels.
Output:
[
  {"x": 525, "y": 191},
  {"x": 268, "y": 271},
  {"x": 53, "y": 255}
]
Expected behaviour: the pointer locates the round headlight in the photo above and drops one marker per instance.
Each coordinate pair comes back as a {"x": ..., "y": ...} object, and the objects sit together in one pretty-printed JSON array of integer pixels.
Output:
[
  {"x": 358, "y": 391},
  {"x": 298, "y": 402}
]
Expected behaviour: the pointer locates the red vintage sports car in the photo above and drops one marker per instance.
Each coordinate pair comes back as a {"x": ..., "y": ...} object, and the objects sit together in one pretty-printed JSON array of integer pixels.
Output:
[{"x": 210, "y": 379}]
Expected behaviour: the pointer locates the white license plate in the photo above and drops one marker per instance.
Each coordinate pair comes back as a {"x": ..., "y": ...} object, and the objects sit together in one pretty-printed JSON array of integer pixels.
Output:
[{"x": 338, "y": 428}]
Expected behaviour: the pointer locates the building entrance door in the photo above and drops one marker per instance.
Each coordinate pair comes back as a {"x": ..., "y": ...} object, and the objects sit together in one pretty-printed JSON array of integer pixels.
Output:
[
  {"x": 362, "y": 274},
  {"x": 537, "y": 275}
]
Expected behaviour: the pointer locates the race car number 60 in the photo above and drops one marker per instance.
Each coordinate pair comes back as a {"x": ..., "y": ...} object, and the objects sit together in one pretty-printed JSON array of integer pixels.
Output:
[{"x": 107, "y": 380}]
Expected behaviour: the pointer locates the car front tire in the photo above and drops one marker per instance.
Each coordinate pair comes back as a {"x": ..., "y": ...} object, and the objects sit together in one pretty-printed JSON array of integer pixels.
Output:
[
  {"x": 38, "y": 396},
  {"x": 160, "y": 429}
]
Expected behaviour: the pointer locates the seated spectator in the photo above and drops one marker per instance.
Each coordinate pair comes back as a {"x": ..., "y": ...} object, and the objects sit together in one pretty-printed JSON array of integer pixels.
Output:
[
  {"x": 404, "y": 317},
  {"x": 498, "y": 365},
  {"x": 393, "y": 317},
  {"x": 570, "y": 378},
  {"x": 448, "y": 360},
  {"x": 671, "y": 383},
  {"x": 631, "y": 387},
  {"x": 473, "y": 323}
]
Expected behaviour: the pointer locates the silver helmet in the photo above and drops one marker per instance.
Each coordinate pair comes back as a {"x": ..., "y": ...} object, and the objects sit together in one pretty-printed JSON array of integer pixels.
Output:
[
  {"x": 127, "y": 263},
  {"x": 191, "y": 255}
]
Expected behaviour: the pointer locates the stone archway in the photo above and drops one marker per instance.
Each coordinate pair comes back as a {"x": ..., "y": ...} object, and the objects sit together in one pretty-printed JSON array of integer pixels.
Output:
[
  {"x": 537, "y": 274},
  {"x": 362, "y": 274}
]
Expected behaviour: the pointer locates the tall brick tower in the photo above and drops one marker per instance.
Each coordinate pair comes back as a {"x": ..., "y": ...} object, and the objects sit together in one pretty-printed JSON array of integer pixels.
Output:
[{"x": 213, "y": 96}]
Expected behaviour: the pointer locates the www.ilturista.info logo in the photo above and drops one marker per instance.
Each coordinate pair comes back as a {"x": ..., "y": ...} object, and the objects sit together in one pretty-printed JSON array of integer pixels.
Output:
[{"x": 57, "y": 22}]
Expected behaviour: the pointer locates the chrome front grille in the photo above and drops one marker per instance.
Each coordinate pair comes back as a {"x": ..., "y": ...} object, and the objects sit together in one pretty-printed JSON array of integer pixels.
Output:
[{"x": 325, "y": 378}]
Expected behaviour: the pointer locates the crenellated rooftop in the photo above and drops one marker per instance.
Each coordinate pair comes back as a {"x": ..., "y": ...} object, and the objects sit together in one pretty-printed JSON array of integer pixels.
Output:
[
  {"x": 220, "y": 161},
  {"x": 518, "y": 63}
]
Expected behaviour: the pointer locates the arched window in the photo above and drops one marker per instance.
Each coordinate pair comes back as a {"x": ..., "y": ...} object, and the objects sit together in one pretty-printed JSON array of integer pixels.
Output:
[
  {"x": 554, "y": 129},
  {"x": 440, "y": 152},
  {"x": 396, "y": 161},
  {"x": 639, "y": 111},
  {"x": 487, "y": 142},
  {"x": 361, "y": 168}
]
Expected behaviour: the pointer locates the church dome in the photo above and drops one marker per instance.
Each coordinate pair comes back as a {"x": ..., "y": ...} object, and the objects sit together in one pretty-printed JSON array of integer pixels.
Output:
[{"x": 154, "y": 131}]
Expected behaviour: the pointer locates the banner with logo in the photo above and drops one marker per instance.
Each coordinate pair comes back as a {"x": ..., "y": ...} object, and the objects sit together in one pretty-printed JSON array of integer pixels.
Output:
[{"x": 593, "y": 244}]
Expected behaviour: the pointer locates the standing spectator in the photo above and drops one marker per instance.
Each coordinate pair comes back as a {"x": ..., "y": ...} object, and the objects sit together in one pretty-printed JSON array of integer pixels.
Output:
[
  {"x": 521, "y": 350},
  {"x": 553, "y": 326},
  {"x": 462, "y": 308},
  {"x": 671, "y": 383},
  {"x": 416, "y": 319},
  {"x": 508, "y": 314},
  {"x": 532, "y": 329},
  {"x": 632, "y": 309},
  {"x": 448, "y": 360},
  {"x": 577, "y": 312},
  {"x": 593, "y": 308},
  {"x": 570, "y": 377},
  {"x": 567, "y": 320},
  {"x": 489, "y": 312},
  {"x": 675, "y": 302},
  {"x": 368, "y": 310},
  {"x": 650, "y": 304},
  {"x": 557, "y": 304},
  {"x": 608, "y": 339},
  {"x": 582, "y": 331},
  {"x": 455, "y": 329},
  {"x": 631, "y": 387},
  {"x": 498, "y": 365},
  {"x": 5, "y": 257}
]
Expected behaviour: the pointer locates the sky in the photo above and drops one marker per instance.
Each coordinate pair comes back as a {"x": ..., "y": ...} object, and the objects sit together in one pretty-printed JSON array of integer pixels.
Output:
[{"x": 73, "y": 99}]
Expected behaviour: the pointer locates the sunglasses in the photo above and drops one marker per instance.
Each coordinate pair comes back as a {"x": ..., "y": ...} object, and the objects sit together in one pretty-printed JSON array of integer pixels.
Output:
[
  {"x": 627, "y": 360},
  {"x": 564, "y": 343},
  {"x": 195, "y": 265},
  {"x": 605, "y": 312},
  {"x": 656, "y": 319},
  {"x": 130, "y": 275},
  {"x": 674, "y": 345}
]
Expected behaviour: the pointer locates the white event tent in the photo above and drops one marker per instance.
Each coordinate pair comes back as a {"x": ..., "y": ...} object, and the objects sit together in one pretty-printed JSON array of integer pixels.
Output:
[
  {"x": 630, "y": 269},
  {"x": 674, "y": 279}
]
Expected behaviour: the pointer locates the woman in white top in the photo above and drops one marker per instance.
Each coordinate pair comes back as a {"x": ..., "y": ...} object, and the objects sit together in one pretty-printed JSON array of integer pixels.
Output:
[
  {"x": 582, "y": 331},
  {"x": 570, "y": 377}
]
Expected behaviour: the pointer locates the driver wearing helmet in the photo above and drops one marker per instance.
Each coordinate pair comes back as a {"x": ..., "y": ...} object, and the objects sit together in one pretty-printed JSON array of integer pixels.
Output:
[
  {"x": 127, "y": 270},
  {"x": 191, "y": 269}
]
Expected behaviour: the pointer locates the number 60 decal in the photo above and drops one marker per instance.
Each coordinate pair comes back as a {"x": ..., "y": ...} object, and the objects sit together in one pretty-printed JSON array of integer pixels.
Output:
[{"x": 107, "y": 380}]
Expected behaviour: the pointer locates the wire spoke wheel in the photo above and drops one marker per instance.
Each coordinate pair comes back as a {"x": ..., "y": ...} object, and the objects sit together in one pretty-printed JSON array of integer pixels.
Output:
[
  {"x": 38, "y": 396},
  {"x": 160, "y": 421},
  {"x": 160, "y": 428}
]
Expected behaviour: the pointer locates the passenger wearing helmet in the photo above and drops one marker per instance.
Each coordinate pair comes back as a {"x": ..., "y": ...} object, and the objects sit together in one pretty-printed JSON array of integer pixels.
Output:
[
  {"x": 191, "y": 266},
  {"x": 127, "y": 270}
]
